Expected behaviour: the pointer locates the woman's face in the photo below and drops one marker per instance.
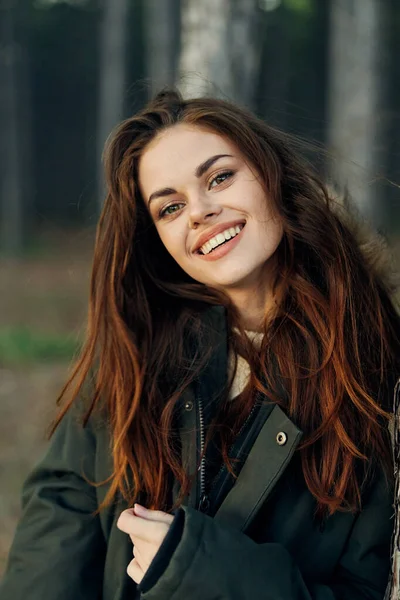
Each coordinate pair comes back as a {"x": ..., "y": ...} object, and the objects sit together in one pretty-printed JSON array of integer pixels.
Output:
[{"x": 210, "y": 209}]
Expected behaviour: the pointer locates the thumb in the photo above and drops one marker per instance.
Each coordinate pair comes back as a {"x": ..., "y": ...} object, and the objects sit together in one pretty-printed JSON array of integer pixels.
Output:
[{"x": 152, "y": 515}]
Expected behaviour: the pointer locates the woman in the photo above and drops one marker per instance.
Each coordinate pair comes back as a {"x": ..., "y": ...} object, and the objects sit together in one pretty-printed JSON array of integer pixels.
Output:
[{"x": 229, "y": 420}]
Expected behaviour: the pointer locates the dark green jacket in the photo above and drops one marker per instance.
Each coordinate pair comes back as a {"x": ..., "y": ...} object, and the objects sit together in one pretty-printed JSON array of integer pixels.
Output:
[{"x": 262, "y": 543}]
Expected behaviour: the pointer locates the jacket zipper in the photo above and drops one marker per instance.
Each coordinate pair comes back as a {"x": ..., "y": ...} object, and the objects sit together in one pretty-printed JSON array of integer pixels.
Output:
[
  {"x": 255, "y": 405},
  {"x": 233, "y": 449},
  {"x": 203, "y": 501}
]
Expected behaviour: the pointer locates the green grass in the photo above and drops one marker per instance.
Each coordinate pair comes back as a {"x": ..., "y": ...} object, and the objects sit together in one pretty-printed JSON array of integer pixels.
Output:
[{"x": 19, "y": 345}]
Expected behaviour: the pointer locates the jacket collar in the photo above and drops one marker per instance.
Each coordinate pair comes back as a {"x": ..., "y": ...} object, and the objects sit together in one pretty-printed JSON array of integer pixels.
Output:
[{"x": 267, "y": 461}]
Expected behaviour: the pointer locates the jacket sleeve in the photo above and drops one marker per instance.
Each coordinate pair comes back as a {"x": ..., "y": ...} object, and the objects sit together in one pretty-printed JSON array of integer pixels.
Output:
[
  {"x": 212, "y": 561},
  {"x": 58, "y": 549}
]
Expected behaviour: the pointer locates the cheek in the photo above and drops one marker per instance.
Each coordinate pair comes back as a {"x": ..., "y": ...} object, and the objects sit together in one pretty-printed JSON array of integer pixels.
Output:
[
  {"x": 174, "y": 244},
  {"x": 273, "y": 233},
  {"x": 278, "y": 234},
  {"x": 276, "y": 226},
  {"x": 257, "y": 203},
  {"x": 269, "y": 217}
]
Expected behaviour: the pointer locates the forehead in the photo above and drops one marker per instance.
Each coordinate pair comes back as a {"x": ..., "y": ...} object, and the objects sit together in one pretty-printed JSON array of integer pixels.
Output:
[{"x": 176, "y": 152}]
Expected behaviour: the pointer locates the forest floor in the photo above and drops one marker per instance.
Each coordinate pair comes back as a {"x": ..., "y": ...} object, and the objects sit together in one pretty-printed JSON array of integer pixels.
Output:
[{"x": 47, "y": 295}]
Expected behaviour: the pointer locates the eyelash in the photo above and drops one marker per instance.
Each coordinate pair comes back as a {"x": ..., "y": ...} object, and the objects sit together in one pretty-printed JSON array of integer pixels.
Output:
[{"x": 163, "y": 212}]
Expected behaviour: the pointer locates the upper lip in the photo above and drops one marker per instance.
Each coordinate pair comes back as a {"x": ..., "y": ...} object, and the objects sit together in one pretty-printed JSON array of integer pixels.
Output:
[{"x": 213, "y": 231}]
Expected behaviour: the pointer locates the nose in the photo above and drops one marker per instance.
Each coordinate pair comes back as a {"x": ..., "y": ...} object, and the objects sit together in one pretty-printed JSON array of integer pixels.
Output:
[{"x": 202, "y": 210}]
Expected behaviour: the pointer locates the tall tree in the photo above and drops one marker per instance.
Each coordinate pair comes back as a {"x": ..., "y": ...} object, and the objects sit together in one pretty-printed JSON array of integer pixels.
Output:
[
  {"x": 113, "y": 51},
  {"x": 220, "y": 48},
  {"x": 161, "y": 20},
  {"x": 11, "y": 191},
  {"x": 245, "y": 43},
  {"x": 204, "y": 61},
  {"x": 356, "y": 101},
  {"x": 273, "y": 85}
]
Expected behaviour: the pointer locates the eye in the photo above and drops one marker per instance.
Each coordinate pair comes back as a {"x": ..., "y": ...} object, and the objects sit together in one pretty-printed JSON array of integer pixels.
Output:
[
  {"x": 220, "y": 178},
  {"x": 169, "y": 210}
]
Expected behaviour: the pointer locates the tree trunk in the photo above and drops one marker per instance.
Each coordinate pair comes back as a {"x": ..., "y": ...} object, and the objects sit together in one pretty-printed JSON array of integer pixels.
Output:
[
  {"x": 113, "y": 52},
  {"x": 204, "y": 66},
  {"x": 161, "y": 20},
  {"x": 11, "y": 135},
  {"x": 355, "y": 105},
  {"x": 220, "y": 49},
  {"x": 245, "y": 42},
  {"x": 273, "y": 85}
]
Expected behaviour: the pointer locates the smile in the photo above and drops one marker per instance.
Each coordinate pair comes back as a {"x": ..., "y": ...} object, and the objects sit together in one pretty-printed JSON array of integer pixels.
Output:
[
  {"x": 221, "y": 244},
  {"x": 220, "y": 239}
]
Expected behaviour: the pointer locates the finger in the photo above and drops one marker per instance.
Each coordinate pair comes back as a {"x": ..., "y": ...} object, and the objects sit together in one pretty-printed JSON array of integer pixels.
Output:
[
  {"x": 143, "y": 557},
  {"x": 152, "y": 515},
  {"x": 125, "y": 520},
  {"x": 142, "y": 529},
  {"x": 135, "y": 571},
  {"x": 141, "y": 546},
  {"x": 144, "y": 552}
]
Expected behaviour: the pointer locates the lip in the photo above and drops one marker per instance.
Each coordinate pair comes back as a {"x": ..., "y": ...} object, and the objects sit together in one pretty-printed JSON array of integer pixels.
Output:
[
  {"x": 222, "y": 250},
  {"x": 207, "y": 235}
]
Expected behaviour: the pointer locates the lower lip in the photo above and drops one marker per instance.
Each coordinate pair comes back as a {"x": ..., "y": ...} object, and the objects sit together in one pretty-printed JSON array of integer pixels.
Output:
[{"x": 223, "y": 249}]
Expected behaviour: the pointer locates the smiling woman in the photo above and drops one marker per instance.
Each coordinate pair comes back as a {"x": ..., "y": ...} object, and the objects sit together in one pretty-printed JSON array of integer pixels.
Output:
[
  {"x": 228, "y": 414},
  {"x": 223, "y": 229}
]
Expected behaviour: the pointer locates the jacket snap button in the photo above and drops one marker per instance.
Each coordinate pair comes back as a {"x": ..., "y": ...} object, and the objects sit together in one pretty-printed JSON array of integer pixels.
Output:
[
  {"x": 188, "y": 405},
  {"x": 281, "y": 438}
]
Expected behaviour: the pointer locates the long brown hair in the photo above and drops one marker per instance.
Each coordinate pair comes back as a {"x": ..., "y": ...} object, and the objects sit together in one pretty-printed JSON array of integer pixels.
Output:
[{"x": 333, "y": 340}]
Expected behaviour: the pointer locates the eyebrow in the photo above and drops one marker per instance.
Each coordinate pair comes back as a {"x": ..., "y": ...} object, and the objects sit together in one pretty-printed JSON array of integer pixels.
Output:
[{"x": 200, "y": 170}]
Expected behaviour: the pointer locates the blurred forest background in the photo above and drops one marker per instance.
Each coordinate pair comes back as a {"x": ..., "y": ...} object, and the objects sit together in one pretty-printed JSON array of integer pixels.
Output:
[{"x": 327, "y": 71}]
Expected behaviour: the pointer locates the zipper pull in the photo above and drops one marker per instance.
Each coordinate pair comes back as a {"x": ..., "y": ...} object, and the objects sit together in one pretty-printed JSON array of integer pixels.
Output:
[{"x": 204, "y": 504}]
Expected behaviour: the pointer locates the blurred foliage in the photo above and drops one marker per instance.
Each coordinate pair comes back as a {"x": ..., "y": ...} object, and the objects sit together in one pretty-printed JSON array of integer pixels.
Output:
[
  {"x": 300, "y": 6},
  {"x": 20, "y": 345}
]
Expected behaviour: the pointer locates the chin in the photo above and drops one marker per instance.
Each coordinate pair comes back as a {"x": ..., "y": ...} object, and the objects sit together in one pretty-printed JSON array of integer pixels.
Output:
[{"x": 231, "y": 282}]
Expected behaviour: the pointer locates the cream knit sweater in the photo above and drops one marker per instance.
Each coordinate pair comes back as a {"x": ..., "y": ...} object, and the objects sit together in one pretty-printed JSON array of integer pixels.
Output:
[{"x": 243, "y": 368}]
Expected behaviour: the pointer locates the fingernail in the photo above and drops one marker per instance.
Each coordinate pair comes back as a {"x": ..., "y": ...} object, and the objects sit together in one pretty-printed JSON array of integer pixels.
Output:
[{"x": 139, "y": 508}]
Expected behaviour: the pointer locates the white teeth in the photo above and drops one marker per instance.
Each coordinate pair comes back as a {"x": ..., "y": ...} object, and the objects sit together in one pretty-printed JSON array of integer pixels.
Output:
[{"x": 220, "y": 238}]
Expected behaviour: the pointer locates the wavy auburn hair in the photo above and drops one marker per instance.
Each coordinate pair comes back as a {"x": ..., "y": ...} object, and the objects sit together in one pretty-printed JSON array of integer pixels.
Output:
[{"x": 333, "y": 339}]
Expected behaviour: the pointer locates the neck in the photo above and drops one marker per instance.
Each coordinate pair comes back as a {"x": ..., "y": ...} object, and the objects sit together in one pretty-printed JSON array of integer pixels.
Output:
[
  {"x": 252, "y": 307},
  {"x": 254, "y": 299}
]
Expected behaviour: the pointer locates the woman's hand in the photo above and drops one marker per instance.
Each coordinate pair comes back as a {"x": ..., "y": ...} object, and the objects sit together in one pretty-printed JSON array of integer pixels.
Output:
[{"x": 147, "y": 530}]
